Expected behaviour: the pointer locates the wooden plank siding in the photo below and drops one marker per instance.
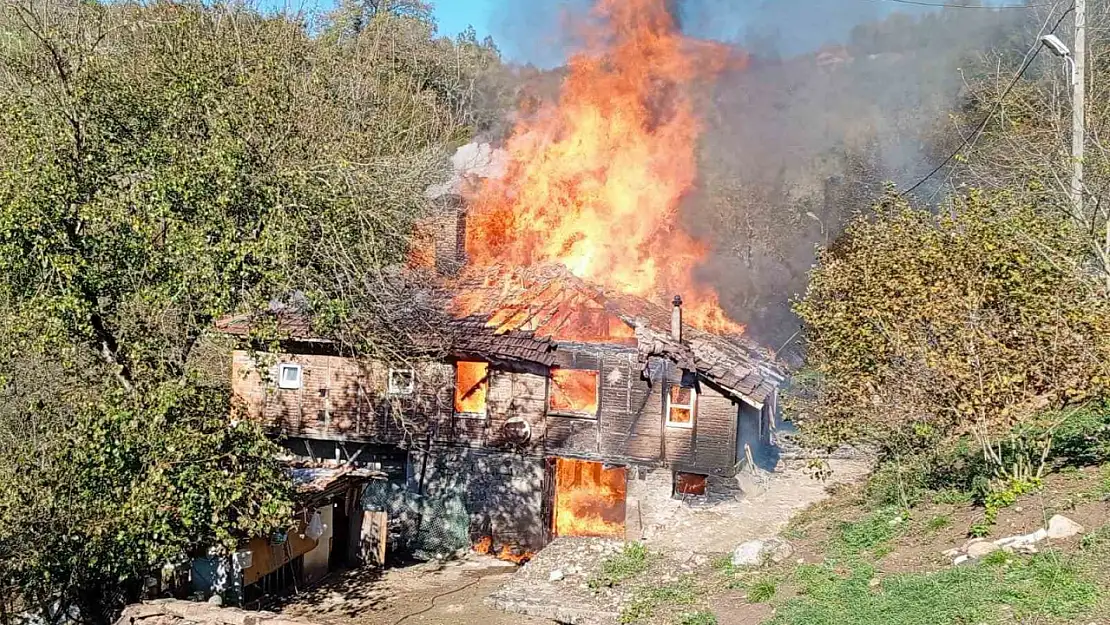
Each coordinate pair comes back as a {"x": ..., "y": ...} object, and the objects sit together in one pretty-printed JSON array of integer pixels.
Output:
[{"x": 341, "y": 398}]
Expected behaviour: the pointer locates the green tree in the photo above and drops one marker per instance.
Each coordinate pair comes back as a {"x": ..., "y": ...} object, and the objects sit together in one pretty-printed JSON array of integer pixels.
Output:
[
  {"x": 924, "y": 326},
  {"x": 163, "y": 164}
]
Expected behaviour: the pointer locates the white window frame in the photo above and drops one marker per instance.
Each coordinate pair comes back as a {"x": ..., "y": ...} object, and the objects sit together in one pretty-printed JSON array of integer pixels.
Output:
[
  {"x": 692, "y": 406},
  {"x": 287, "y": 385},
  {"x": 394, "y": 389}
]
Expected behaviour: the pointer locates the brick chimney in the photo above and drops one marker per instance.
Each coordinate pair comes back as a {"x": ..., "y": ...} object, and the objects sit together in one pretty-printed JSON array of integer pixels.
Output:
[
  {"x": 450, "y": 234},
  {"x": 676, "y": 318}
]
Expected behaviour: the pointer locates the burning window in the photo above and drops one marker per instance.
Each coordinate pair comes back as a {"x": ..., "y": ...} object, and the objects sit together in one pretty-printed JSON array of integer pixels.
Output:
[
  {"x": 573, "y": 391},
  {"x": 681, "y": 404},
  {"x": 686, "y": 484},
  {"x": 471, "y": 383}
]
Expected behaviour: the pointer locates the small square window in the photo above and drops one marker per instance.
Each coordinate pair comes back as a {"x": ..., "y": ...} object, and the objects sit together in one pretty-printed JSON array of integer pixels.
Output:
[
  {"x": 401, "y": 382},
  {"x": 689, "y": 484},
  {"x": 681, "y": 405},
  {"x": 289, "y": 376}
]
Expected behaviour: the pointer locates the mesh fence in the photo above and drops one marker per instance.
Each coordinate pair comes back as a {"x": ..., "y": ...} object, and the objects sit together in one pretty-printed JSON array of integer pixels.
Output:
[{"x": 422, "y": 525}]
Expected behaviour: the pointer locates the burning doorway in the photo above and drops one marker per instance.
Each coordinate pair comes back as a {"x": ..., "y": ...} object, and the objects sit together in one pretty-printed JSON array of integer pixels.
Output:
[{"x": 588, "y": 498}]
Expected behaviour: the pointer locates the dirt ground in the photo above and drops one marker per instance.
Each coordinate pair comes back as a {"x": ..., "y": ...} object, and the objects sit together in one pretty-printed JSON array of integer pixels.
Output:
[
  {"x": 720, "y": 528},
  {"x": 450, "y": 593}
]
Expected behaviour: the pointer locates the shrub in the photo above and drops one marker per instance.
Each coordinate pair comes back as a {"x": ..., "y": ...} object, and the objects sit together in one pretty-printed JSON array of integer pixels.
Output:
[{"x": 923, "y": 327}]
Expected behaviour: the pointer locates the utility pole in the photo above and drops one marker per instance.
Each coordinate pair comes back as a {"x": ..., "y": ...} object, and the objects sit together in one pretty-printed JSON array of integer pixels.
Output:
[{"x": 1078, "y": 108}]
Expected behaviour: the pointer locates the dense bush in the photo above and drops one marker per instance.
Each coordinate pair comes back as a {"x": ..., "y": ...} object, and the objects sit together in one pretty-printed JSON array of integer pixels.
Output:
[{"x": 922, "y": 327}]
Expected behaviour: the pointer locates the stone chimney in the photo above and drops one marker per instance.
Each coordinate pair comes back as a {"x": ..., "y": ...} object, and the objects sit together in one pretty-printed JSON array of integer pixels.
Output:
[
  {"x": 676, "y": 318},
  {"x": 450, "y": 235}
]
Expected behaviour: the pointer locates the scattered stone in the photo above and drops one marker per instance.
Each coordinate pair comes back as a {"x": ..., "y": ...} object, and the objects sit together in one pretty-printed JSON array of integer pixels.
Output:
[
  {"x": 980, "y": 549},
  {"x": 758, "y": 552},
  {"x": 961, "y": 559},
  {"x": 873, "y": 582},
  {"x": 555, "y": 576},
  {"x": 971, "y": 541},
  {"x": 778, "y": 550},
  {"x": 748, "y": 554},
  {"x": 1060, "y": 526},
  {"x": 1018, "y": 508}
]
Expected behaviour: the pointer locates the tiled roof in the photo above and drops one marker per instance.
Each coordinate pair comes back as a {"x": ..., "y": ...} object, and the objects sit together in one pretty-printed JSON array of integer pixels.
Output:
[
  {"x": 524, "y": 313},
  {"x": 551, "y": 303}
]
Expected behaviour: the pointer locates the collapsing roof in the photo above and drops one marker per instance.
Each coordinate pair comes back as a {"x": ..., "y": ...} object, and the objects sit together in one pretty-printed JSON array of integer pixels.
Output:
[
  {"x": 548, "y": 302},
  {"x": 523, "y": 314}
]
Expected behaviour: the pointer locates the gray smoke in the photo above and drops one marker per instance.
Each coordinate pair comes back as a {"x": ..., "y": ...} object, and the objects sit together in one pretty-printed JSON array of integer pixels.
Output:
[{"x": 840, "y": 96}]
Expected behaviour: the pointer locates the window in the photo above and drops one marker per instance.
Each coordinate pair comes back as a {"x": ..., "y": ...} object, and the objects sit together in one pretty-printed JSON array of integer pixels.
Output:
[
  {"x": 686, "y": 484},
  {"x": 401, "y": 382},
  {"x": 681, "y": 404},
  {"x": 289, "y": 376},
  {"x": 471, "y": 384},
  {"x": 574, "y": 392}
]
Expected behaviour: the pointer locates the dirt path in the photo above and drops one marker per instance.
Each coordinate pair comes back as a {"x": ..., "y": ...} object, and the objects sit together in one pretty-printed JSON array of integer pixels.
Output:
[
  {"x": 720, "y": 528},
  {"x": 423, "y": 594}
]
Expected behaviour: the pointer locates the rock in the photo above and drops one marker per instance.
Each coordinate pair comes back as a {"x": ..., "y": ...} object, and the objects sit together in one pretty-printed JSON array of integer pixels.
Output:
[
  {"x": 758, "y": 552},
  {"x": 215, "y": 600},
  {"x": 978, "y": 550},
  {"x": 748, "y": 554},
  {"x": 778, "y": 550},
  {"x": 873, "y": 582},
  {"x": 555, "y": 576},
  {"x": 951, "y": 553},
  {"x": 961, "y": 559},
  {"x": 1060, "y": 526},
  {"x": 1022, "y": 539},
  {"x": 969, "y": 542}
]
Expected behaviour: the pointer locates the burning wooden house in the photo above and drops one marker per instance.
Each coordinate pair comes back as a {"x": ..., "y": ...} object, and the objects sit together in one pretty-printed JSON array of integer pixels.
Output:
[
  {"x": 561, "y": 410},
  {"x": 569, "y": 400}
]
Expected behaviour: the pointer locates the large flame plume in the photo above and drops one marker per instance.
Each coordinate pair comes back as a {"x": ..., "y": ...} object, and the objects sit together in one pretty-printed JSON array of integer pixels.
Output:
[{"x": 595, "y": 179}]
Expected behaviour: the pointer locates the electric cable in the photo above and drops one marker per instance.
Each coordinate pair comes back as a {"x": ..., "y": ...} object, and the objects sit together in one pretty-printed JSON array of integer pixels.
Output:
[{"x": 1033, "y": 53}]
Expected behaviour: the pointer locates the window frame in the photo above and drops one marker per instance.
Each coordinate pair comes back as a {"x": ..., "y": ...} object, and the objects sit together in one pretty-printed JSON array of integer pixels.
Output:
[
  {"x": 290, "y": 386},
  {"x": 573, "y": 413},
  {"x": 679, "y": 479},
  {"x": 393, "y": 389},
  {"x": 692, "y": 407},
  {"x": 484, "y": 414}
]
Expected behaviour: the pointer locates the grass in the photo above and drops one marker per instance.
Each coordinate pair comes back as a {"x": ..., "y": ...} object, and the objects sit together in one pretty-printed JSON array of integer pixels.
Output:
[
  {"x": 1041, "y": 586},
  {"x": 952, "y": 496},
  {"x": 762, "y": 590},
  {"x": 698, "y": 617},
  {"x": 683, "y": 592},
  {"x": 872, "y": 532},
  {"x": 622, "y": 566},
  {"x": 937, "y": 523}
]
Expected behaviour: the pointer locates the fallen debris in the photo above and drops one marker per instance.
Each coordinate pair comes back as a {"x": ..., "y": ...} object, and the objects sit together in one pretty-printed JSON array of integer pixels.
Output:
[{"x": 1059, "y": 527}]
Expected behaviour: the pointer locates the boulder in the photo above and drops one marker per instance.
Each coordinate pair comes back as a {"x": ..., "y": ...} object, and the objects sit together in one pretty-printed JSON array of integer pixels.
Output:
[
  {"x": 758, "y": 552},
  {"x": 980, "y": 549},
  {"x": 748, "y": 554},
  {"x": 1060, "y": 526}
]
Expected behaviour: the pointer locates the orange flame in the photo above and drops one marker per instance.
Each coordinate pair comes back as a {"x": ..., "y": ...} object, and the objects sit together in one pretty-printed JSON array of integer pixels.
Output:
[
  {"x": 589, "y": 499},
  {"x": 509, "y": 554},
  {"x": 594, "y": 180}
]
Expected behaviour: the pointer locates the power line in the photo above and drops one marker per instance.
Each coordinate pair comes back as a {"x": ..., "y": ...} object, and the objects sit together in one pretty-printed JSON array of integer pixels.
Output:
[
  {"x": 920, "y": 3},
  {"x": 1030, "y": 57}
]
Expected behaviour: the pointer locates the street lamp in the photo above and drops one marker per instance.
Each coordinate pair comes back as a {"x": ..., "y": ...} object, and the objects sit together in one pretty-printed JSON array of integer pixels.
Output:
[{"x": 1060, "y": 49}]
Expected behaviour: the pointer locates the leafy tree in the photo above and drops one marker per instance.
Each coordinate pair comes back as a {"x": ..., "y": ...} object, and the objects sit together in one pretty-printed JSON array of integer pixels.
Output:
[
  {"x": 923, "y": 326},
  {"x": 163, "y": 164}
]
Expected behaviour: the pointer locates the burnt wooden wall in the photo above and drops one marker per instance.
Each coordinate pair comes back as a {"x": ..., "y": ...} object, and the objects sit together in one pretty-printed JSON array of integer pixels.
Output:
[{"x": 341, "y": 399}]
